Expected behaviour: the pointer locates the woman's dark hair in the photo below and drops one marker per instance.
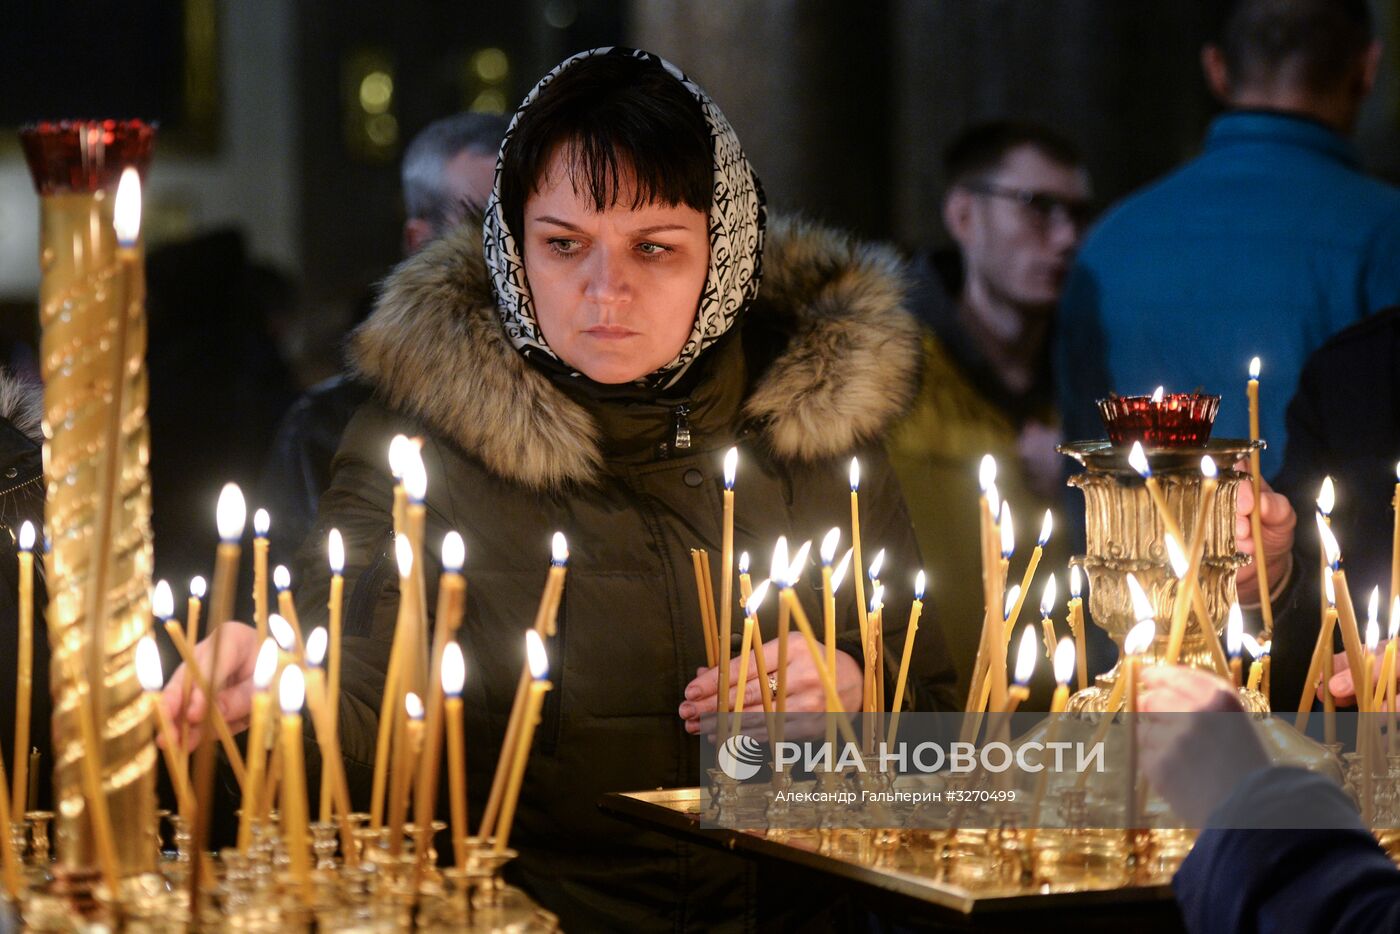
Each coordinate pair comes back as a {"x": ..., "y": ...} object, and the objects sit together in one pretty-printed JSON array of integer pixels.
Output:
[{"x": 609, "y": 115}]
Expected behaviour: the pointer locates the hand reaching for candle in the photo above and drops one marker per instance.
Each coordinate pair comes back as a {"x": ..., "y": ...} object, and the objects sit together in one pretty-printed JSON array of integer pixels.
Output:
[
  {"x": 233, "y": 683},
  {"x": 1194, "y": 761},
  {"x": 1277, "y": 520},
  {"x": 804, "y": 688},
  {"x": 1342, "y": 685}
]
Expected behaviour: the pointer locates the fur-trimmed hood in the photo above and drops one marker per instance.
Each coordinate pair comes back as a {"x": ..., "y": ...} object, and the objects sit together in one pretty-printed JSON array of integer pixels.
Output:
[{"x": 435, "y": 349}]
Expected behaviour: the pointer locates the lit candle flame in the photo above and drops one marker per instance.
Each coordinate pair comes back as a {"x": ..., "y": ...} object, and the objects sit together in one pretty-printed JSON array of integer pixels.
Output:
[
  {"x": 403, "y": 553},
  {"x": 413, "y": 706},
  {"x": 126, "y": 211},
  {"x": 1330, "y": 548},
  {"x": 1394, "y": 618},
  {"x": 198, "y": 587},
  {"x": 454, "y": 552},
  {"x": 1139, "y": 638},
  {"x": 1012, "y": 596},
  {"x": 842, "y": 566},
  {"x": 281, "y": 631},
  {"x": 1397, "y": 471},
  {"x": 1329, "y": 589},
  {"x": 1047, "y": 597},
  {"x": 1254, "y": 368},
  {"x": 829, "y": 543},
  {"x": 1008, "y": 531},
  {"x": 231, "y": 514},
  {"x": 920, "y": 580},
  {"x": 559, "y": 550},
  {"x": 148, "y": 665},
  {"x": 799, "y": 564},
  {"x": 292, "y": 690},
  {"x": 1142, "y": 606},
  {"x": 731, "y": 465},
  {"x": 1137, "y": 459},
  {"x": 265, "y": 668},
  {"x": 1157, "y": 395},
  {"x": 743, "y": 562},
  {"x": 261, "y": 523},
  {"x": 415, "y": 475},
  {"x": 281, "y": 577},
  {"x": 1373, "y": 605},
  {"x": 855, "y": 474},
  {"x": 1075, "y": 581},
  {"x": 1234, "y": 630},
  {"x": 335, "y": 550},
  {"x": 534, "y": 651},
  {"x": 1327, "y": 495},
  {"x": 1025, "y": 656},
  {"x": 398, "y": 451},
  {"x": 454, "y": 669},
  {"x": 778, "y": 570},
  {"x": 877, "y": 564},
  {"x": 1064, "y": 660},
  {"x": 163, "y": 601},
  {"x": 1251, "y": 646},
  {"x": 987, "y": 473},
  {"x": 26, "y": 536},
  {"x": 316, "y": 647},
  {"x": 1047, "y": 525},
  {"x": 877, "y": 598},
  {"x": 1373, "y": 635},
  {"x": 994, "y": 501},
  {"x": 1177, "y": 556},
  {"x": 756, "y": 599},
  {"x": 1208, "y": 469}
]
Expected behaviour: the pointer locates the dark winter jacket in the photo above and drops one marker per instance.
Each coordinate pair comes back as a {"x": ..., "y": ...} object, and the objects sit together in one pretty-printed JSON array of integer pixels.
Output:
[{"x": 821, "y": 365}]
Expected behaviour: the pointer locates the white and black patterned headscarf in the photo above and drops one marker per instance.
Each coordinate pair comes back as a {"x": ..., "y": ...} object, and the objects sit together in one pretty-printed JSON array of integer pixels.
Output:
[{"x": 737, "y": 218}]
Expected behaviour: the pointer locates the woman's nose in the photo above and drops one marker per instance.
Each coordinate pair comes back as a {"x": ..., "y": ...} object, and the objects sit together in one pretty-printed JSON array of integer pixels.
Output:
[{"x": 607, "y": 280}]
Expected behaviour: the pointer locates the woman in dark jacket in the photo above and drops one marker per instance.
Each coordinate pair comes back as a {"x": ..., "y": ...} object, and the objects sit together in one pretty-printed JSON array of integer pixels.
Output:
[{"x": 583, "y": 368}]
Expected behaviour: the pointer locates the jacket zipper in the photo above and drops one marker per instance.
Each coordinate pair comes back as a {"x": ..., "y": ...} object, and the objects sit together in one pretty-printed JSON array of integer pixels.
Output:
[{"x": 682, "y": 436}]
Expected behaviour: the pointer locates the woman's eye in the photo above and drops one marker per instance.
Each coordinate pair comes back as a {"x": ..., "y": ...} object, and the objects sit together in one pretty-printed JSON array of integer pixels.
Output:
[
  {"x": 654, "y": 249},
  {"x": 563, "y": 245}
]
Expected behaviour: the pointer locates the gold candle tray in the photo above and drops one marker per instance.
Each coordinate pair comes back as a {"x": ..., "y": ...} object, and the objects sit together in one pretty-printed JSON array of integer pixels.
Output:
[{"x": 904, "y": 871}]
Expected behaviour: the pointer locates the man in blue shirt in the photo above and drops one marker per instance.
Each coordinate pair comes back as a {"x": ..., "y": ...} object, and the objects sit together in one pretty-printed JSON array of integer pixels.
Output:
[{"x": 1267, "y": 243}]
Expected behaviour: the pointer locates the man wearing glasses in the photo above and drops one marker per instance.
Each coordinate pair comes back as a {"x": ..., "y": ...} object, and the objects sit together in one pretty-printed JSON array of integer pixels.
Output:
[{"x": 1016, "y": 207}]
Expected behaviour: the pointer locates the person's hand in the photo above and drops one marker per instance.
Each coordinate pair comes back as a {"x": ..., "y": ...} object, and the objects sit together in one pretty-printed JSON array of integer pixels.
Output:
[
  {"x": 1194, "y": 761},
  {"x": 805, "y": 692},
  {"x": 1342, "y": 685},
  {"x": 232, "y": 683},
  {"x": 1277, "y": 521}
]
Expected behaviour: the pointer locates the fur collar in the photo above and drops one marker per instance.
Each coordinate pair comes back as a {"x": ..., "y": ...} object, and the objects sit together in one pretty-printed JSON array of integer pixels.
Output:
[{"x": 434, "y": 349}]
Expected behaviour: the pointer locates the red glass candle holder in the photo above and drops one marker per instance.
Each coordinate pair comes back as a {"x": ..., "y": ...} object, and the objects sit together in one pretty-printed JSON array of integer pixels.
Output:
[
  {"x": 1178, "y": 420},
  {"x": 85, "y": 155}
]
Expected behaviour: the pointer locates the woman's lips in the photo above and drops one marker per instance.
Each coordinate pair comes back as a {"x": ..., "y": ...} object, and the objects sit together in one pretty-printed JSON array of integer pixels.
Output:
[{"x": 610, "y": 334}]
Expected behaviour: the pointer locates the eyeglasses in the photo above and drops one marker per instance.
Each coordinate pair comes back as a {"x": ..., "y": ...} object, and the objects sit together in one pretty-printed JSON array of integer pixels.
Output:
[{"x": 1045, "y": 207}]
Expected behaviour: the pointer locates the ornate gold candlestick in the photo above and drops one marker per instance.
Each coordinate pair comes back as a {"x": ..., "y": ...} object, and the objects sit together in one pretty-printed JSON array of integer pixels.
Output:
[
  {"x": 98, "y": 503},
  {"x": 1125, "y": 534}
]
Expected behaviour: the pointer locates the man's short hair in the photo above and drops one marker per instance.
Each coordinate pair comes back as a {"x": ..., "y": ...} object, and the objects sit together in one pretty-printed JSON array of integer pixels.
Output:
[
  {"x": 1318, "y": 41},
  {"x": 424, "y": 194},
  {"x": 981, "y": 148}
]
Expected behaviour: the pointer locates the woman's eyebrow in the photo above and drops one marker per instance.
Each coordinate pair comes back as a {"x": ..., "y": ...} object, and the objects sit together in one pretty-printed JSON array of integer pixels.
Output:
[{"x": 547, "y": 219}]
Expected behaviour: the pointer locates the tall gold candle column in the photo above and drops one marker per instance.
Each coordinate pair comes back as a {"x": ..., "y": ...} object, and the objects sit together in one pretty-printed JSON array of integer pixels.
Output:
[{"x": 92, "y": 359}]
